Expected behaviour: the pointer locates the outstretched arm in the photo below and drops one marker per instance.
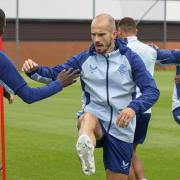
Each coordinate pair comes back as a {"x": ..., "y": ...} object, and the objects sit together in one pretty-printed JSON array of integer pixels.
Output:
[
  {"x": 45, "y": 74},
  {"x": 10, "y": 76},
  {"x": 64, "y": 79},
  {"x": 168, "y": 56}
]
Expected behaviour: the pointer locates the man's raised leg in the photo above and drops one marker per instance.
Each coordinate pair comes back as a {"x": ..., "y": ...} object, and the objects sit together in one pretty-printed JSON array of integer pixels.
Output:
[{"x": 89, "y": 131}]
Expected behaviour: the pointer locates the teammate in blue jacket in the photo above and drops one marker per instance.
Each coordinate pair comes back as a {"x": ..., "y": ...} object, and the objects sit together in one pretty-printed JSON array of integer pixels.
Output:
[
  {"x": 109, "y": 73},
  {"x": 127, "y": 31},
  {"x": 176, "y": 96},
  {"x": 10, "y": 77}
]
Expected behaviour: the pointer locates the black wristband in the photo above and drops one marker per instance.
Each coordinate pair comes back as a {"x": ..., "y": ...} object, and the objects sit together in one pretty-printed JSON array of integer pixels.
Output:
[{"x": 6, "y": 94}]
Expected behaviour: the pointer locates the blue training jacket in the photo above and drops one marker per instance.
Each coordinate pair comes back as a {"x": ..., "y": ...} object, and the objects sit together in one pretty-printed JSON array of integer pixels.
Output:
[
  {"x": 12, "y": 79},
  {"x": 108, "y": 83}
]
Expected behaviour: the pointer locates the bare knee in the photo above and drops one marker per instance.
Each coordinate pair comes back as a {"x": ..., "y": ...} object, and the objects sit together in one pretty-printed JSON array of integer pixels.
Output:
[
  {"x": 87, "y": 119},
  {"x": 87, "y": 116},
  {"x": 89, "y": 122}
]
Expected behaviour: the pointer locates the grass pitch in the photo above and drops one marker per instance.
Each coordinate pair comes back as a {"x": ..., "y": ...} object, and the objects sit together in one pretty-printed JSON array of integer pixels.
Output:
[{"x": 40, "y": 138}]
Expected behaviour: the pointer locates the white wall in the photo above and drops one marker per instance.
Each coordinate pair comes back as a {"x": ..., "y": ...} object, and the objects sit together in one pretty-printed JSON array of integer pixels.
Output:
[
  {"x": 173, "y": 11},
  {"x": 82, "y": 9}
]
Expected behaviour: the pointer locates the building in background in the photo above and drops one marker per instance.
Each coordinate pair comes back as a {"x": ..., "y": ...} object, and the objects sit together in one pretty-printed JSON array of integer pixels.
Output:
[{"x": 51, "y": 31}]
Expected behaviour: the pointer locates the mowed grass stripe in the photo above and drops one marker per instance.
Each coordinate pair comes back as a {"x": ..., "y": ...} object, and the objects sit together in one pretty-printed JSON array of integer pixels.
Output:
[{"x": 41, "y": 138}]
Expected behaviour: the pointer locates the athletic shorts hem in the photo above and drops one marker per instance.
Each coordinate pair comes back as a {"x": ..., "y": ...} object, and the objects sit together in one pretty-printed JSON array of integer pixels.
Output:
[{"x": 117, "y": 171}]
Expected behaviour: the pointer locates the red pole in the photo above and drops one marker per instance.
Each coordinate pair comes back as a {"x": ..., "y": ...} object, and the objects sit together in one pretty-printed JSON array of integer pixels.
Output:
[
  {"x": 2, "y": 134},
  {"x": 2, "y": 127},
  {"x": 0, "y": 43}
]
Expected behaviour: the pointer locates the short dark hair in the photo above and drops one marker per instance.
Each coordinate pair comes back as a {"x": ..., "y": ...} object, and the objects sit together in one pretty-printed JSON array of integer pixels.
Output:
[
  {"x": 2, "y": 21},
  {"x": 128, "y": 24}
]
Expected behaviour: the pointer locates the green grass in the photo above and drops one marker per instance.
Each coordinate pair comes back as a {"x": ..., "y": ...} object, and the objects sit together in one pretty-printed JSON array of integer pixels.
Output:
[{"x": 40, "y": 138}]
